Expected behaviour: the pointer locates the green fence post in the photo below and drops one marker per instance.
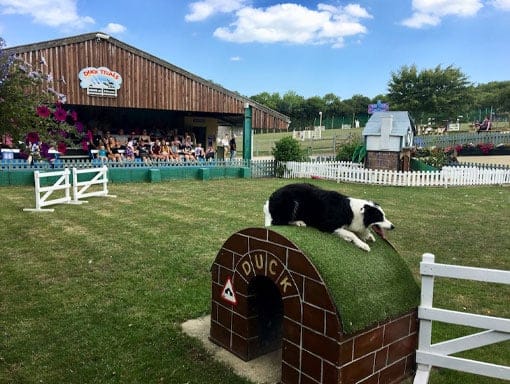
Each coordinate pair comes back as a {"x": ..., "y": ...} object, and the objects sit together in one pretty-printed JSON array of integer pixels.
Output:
[{"x": 247, "y": 132}]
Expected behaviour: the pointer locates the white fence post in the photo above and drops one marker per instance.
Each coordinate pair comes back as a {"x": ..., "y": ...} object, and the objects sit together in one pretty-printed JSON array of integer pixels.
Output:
[
  {"x": 62, "y": 183},
  {"x": 497, "y": 328},
  {"x": 425, "y": 330},
  {"x": 80, "y": 188}
]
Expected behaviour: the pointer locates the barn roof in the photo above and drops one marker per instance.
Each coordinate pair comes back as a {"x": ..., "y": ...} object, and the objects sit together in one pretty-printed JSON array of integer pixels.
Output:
[
  {"x": 193, "y": 93},
  {"x": 402, "y": 120}
]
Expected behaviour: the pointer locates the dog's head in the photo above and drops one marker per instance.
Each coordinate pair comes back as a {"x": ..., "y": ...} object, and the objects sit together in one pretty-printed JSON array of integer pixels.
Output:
[{"x": 373, "y": 217}]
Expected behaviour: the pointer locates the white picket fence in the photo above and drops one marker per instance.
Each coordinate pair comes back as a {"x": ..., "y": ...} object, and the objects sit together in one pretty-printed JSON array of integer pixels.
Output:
[
  {"x": 353, "y": 172},
  {"x": 497, "y": 329},
  {"x": 43, "y": 194}
]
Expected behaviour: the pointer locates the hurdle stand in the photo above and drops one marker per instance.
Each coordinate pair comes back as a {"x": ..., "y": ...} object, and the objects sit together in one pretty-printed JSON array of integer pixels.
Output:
[
  {"x": 43, "y": 200},
  {"x": 80, "y": 188}
]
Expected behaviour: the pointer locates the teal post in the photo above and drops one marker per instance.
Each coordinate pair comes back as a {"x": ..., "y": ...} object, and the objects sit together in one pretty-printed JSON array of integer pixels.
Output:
[{"x": 247, "y": 132}]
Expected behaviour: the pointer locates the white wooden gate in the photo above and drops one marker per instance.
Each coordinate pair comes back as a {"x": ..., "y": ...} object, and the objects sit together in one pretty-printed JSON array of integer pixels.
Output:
[
  {"x": 438, "y": 355},
  {"x": 81, "y": 188},
  {"x": 43, "y": 194}
]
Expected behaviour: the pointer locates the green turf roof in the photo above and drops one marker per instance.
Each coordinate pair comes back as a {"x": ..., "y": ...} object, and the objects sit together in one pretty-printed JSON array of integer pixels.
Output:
[{"x": 367, "y": 287}]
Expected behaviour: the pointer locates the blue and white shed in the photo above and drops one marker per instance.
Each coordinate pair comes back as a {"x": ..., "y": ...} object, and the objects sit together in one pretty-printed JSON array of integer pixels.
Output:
[{"x": 388, "y": 137}]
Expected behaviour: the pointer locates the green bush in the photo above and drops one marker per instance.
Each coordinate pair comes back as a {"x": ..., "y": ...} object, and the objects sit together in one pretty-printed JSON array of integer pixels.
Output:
[
  {"x": 346, "y": 151},
  {"x": 288, "y": 149}
]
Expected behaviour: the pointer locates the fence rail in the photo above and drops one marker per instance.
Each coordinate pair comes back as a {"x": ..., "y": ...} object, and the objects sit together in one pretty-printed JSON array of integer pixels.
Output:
[
  {"x": 138, "y": 163},
  {"x": 352, "y": 172},
  {"x": 462, "y": 138},
  {"x": 462, "y": 175},
  {"x": 497, "y": 329}
]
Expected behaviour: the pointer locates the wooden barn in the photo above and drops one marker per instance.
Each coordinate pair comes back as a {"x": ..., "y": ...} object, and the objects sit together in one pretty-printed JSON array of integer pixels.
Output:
[{"x": 113, "y": 86}]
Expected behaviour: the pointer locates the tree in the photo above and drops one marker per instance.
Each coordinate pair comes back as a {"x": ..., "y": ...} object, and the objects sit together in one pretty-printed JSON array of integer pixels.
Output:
[
  {"x": 312, "y": 107},
  {"x": 357, "y": 104},
  {"x": 27, "y": 112},
  {"x": 495, "y": 94},
  {"x": 443, "y": 93},
  {"x": 269, "y": 100},
  {"x": 19, "y": 97},
  {"x": 292, "y": 106}
]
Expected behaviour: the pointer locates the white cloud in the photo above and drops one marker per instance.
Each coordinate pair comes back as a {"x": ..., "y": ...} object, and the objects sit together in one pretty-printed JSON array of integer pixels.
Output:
[
  {"x": 235, "y": 58},
  {"x": 114, "y": 28},
  {"x": 201, "y": 10},
  {"x": 501, "y": 4},
  {"x": 295, "y": 24},
  {"x": 431, "y": 12},
  {"x": 419, "y": 20},
  {"x": 54, "y": 13}
]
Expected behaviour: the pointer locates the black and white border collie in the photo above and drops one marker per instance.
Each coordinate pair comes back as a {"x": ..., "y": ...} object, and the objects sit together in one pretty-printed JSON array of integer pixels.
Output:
[{"x": 328, "y": 211}]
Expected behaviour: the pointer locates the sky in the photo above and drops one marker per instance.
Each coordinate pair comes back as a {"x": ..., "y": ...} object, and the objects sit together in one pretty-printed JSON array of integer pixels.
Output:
[{"x": 312, "y": 48}]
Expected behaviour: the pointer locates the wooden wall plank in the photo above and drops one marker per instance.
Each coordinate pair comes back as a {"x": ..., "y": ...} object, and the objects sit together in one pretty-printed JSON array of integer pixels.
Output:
[{"x": 147, "y": 82}]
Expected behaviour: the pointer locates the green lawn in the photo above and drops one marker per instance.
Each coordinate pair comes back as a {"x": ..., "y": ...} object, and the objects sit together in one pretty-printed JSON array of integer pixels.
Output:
[
  {"x": 264, "y": 143},
  {"x": 96, "y": 293}
]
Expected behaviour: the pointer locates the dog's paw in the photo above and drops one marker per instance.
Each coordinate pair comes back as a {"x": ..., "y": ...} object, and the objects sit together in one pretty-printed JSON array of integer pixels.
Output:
[
  {"x": 299, "y": 223},
  {"x": 370, "y": 237},
  {"x": 363, "y": 246}
]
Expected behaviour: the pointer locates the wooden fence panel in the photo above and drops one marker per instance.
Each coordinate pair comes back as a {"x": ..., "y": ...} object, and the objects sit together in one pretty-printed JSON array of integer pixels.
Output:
[{"x": 497, "y": 329}]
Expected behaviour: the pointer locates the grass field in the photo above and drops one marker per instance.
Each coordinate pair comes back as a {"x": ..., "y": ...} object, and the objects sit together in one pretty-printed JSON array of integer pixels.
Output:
[
  {"x": 96, "y": 293},
  {"x": 331, "y": 138},
  {"x": 264, "y": 143}
]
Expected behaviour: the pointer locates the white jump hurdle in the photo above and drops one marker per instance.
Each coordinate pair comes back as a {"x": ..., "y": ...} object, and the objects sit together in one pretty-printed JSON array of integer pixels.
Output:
[
  {"x": 497, "y": 329},
  {"x": 80, "y": 188},
  {"x": 42, "y": 194}
]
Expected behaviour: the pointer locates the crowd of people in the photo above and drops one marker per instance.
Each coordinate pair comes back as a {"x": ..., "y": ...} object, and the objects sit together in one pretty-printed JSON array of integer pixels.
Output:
[{"x": 148, "y": 147}]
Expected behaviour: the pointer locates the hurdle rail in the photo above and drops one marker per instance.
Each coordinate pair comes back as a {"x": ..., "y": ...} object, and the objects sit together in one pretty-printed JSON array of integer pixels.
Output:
[
  {"x": 80, "y": 188},
  {"x": 497, "y": 329},
  {"x": 42, "y": 194}
]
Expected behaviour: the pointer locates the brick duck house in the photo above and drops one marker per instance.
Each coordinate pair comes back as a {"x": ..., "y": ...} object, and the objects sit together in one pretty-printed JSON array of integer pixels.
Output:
[{"x": 339, "y": 314}]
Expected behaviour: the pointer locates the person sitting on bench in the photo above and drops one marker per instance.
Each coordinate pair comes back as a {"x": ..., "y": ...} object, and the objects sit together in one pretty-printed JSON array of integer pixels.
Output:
[{"x": 485, "y": 125}]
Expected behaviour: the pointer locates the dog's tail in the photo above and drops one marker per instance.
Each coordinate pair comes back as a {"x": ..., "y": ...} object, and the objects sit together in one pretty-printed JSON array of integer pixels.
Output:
[{"x": 268, "y": 219}]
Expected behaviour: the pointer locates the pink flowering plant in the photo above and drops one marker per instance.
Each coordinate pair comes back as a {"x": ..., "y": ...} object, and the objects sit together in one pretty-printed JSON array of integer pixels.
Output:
[
  {"x": 55, "y": 127},
  {"x": 483, "y": 148},
  {"x": 28, "y": 112}
]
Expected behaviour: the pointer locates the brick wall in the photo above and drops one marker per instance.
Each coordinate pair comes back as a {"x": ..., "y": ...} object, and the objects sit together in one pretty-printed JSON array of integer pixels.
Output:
[
  {"x": 314, "y": 348},
  {"x": 383, "y": 160}
]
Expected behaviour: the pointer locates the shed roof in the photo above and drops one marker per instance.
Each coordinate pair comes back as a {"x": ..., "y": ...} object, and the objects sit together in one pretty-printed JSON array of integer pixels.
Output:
[{"x": 402, "y": 121}]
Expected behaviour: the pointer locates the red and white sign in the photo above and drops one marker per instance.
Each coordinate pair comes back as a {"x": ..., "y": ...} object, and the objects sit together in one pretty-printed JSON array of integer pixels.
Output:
[{"x": 228, "y": 294}]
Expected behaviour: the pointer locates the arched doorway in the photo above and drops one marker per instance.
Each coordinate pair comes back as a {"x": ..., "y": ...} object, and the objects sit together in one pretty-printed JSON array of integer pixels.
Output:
[{"x": 266, "y": 303}]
